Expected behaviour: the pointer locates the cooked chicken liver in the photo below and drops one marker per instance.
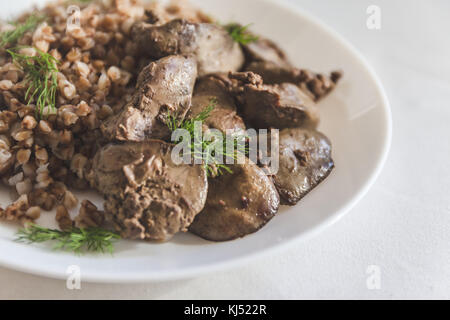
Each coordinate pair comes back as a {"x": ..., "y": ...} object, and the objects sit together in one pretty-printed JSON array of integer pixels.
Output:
[
  {"x": 238, "y": 204},
  {"x": 163, "y": 86},
  {"x": 213, "y": 47},
  {"x": 305, "y": 161},
  {"x": 147, "y": 196},
  {"x": 266, "y": 50},
  {"x": 316, "y": 85},
  {"x": 273, "y": 106},
  {"x": 224, "y": 116}
]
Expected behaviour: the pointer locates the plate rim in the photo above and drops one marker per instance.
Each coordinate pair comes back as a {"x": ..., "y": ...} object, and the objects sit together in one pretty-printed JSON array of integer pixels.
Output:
[{"x": 192, "y": 272}]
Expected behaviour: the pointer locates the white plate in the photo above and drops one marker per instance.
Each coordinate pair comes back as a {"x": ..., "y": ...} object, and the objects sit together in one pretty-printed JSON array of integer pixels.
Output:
[{"x": 356, "y": 117}]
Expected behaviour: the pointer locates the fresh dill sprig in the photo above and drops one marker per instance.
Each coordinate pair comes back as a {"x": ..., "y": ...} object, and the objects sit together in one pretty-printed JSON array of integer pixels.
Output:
[
  {"x": 189, "y": 124},
  {"x": 41, "y": 77},
  {"x": 205, "y": 149},
  {"x": 12, "y": 36},
  {"x": 77, "y": 240},
  {"x": 240, "y": 34}
]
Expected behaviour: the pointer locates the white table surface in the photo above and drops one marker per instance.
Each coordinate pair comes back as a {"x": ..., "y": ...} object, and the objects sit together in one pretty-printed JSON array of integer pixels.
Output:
[{"x": 403, "y": 224}]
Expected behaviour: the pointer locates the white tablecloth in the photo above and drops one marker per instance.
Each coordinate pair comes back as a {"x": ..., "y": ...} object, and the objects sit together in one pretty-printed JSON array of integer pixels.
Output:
[{"x": 402, "y": 226}]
